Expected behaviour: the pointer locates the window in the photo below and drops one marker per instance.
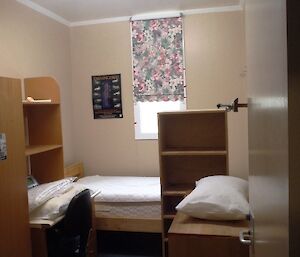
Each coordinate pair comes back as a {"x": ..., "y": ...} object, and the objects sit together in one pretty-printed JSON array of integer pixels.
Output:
[
  {"x": 146, "y": 117},
  {"x": 158, "y": 72}
]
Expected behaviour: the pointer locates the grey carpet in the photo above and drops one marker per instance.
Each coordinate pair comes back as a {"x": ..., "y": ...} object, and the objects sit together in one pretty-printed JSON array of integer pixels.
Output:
[{"x": 118, "y": 255}]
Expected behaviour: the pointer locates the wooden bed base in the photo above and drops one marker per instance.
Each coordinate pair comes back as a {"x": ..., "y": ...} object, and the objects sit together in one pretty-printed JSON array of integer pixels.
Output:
[
  {"x": 128, "y": 224},
  {"x": 125, "y": 224}
]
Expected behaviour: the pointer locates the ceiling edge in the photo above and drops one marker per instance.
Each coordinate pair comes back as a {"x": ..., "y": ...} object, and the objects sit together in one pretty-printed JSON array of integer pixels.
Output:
[
  {"x": 61, "y": 20},
  {"x": 99, "y": 21},
  {"x": 44, "y": 11},
  {"x": 231, "y": 8}
]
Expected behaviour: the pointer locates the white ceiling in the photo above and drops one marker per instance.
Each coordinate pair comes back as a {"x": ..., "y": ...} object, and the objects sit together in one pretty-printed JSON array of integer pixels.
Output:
[{"x": 75, "y": 11}]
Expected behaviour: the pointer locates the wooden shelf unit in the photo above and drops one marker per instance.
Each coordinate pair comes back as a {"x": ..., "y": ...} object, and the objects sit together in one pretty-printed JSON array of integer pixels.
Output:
[
  {"x": 192, "y": 145},
  {"x": 44, "y": 149},
  {"x": 44, "y": 146}
]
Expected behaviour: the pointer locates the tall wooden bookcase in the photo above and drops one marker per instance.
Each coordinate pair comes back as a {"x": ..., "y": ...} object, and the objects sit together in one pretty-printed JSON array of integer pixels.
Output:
[
  {"x": 14, "y": 225},
  {"x": 44, "y": 148},
  {"x": 192, "y": 145},
  {"x": 33, "y": 133},
  {"x": 43, "y": 133}
]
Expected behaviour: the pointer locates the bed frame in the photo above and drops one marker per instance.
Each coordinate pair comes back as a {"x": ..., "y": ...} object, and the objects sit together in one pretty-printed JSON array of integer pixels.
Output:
[{"x": 125, "y": 224}]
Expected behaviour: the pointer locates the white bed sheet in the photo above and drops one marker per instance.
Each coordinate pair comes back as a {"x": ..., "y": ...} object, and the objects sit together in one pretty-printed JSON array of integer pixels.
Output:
[{"x": 123, "y": 188}]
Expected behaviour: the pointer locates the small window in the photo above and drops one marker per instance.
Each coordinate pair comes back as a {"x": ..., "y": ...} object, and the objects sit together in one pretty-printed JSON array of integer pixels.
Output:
[
  {"x": 146, "y": 117},
  {"x": 158, "y": 71}
]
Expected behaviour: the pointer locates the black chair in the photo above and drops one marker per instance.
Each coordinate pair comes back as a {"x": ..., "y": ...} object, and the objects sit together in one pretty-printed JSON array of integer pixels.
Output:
[{"x": 69, "y": 238}]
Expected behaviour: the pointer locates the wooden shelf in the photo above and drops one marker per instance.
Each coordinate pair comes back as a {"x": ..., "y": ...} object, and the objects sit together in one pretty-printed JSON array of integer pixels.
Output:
[
  {"x": 40, "y": 104},
  {"x": 169, "y": 216},
  {"x": 175, "y": 193},
  {"x": 36, "y": 149},
  {"x": 193, "y": 153},
  {"x": 192, "y": 112},
  {"x": 178, "y": 190}
]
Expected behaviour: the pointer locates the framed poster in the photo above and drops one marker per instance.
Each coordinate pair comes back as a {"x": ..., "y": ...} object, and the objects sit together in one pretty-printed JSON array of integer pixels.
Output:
[
  {"x": 3, "y": 149},
  {"x": 107, "y": 100}
]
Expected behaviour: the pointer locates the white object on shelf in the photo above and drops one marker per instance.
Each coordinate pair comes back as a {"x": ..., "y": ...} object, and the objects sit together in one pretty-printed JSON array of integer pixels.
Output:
[{"x": 31, "y": 100}]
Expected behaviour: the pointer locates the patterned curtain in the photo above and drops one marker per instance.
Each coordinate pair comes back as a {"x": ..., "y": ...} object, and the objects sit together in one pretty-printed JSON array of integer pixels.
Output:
[{"x": 157, "y": 48}]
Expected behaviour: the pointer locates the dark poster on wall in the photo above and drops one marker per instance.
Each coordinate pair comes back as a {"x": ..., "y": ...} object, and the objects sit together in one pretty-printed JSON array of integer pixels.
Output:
[{"x": 107, "y": 100}]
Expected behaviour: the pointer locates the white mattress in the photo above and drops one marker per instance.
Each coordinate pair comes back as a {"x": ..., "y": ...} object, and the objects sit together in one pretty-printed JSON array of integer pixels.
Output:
[
  {"x": 123, "y": 188},
  {"x": 151, "y": 210}
]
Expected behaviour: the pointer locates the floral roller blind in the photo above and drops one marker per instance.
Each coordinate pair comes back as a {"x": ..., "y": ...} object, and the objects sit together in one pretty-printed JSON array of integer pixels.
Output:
[{"x": 157, "y": 48}]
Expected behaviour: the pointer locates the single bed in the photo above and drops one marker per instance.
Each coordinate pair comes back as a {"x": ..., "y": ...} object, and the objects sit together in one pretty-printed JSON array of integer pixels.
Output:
[{"x": 124, "y": 203}]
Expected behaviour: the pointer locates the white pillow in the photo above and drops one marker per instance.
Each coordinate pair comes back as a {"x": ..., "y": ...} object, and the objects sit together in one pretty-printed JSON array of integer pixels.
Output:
[
  {"x": 41, "y": 193},
  {"x": 57, "y": 205},
  {"x": 217, "y": 198}
]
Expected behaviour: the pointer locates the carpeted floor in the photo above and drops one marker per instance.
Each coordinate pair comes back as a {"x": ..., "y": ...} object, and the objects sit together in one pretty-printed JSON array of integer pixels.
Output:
[
  {"x": 118, "y": 255},
  {"x": 121, "y": 244}
]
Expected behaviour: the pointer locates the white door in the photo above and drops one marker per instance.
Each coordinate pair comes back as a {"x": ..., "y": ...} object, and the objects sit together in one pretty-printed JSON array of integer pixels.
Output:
[{"x": 266, "y": 44}]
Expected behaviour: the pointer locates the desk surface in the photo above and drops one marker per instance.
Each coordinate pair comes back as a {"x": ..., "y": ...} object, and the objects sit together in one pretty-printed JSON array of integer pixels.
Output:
[
  {"x": 43, "y": 224},
  {"x": 184, "y": 224}
]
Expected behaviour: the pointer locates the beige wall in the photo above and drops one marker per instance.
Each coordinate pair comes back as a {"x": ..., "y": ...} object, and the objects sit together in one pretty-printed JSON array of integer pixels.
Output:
[
  {"x": 107, "y": 146},
  {"x": 215, "y": 59},
  {"x": 33, "y": 45},
  {"x": 215, "y": 73}
]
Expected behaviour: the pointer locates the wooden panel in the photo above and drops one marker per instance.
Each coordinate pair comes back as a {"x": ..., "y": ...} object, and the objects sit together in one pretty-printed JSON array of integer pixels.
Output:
[
  {"x": 188, "y": 169},
  {"x": 15, "y": 236},
  {"x": 190, "y": 237},
  {"x": 293, "y": 12},
  {"x": 206, "y": 246},
  {"x": 92, "y": 241},
  {"x": 74, "y": 170},
  {"x": 205, "y": 132},
  {"x": 128, "y": 224},
  {"x": 35, "y": 87},
  {"x": 44, "y": 124},
  {"x": 47, "y": 166},
  {"x": 39, "y": 242}
]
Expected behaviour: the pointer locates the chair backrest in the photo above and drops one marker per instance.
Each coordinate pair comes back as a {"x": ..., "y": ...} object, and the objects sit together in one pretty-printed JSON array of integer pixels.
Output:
[{"x": 78, "y": 218}]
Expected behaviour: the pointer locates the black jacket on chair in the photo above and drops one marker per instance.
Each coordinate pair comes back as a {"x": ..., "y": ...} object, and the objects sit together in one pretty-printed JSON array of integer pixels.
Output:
[{"x": 69, "y": 237}]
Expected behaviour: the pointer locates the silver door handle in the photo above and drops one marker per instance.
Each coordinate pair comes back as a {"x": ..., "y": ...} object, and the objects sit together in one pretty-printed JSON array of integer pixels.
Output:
[{"x": 245, "y": 237}]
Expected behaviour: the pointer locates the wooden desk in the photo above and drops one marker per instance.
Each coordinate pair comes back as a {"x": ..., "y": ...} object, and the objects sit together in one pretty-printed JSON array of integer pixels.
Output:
[
  {"x": 190, "y": 237},
  {"x": 39, "y": 235}
]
